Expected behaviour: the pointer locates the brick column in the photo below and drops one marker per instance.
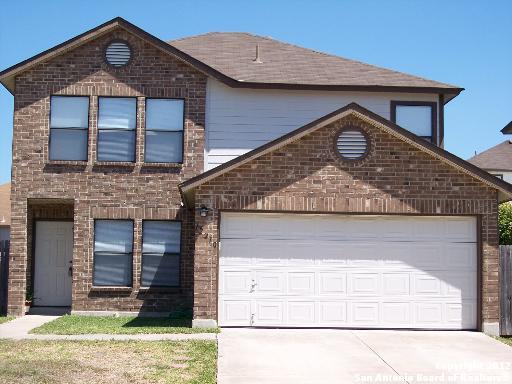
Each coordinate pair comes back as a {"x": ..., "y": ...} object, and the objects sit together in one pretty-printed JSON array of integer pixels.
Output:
[
  {"x": 205, "y": 269},
  {"x": 17, "y": 258}
]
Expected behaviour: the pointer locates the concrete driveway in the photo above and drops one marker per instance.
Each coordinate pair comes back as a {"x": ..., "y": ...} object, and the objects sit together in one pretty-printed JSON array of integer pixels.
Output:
[{"x": 319, "y": 356}]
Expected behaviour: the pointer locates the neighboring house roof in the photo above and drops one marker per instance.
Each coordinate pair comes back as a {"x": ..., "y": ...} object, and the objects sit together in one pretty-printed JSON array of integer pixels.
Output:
[
  {"x": 507, "y": 129},
  {"x": 228, "y": 57},
  {"x": 352, "y": 109},
  {"x": 497, "y": 158},
  {"x": 5, "y": 205},
  {"x": 234, "y": 54}
]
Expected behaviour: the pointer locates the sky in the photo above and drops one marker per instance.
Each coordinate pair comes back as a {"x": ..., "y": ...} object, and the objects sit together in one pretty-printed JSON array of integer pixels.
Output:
[{"x": 467, "y": 43}]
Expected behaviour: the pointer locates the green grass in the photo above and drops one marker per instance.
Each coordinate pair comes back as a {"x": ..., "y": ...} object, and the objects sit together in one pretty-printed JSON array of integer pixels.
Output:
[
  {"x": 124, "y": 325},
  {"x": 5, "y": 319},
  {"x": 95, "y": 362},
  {"x": 505, "y": 340}
]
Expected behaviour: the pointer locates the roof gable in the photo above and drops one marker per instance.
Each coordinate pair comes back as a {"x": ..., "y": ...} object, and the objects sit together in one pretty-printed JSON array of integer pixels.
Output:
[
  {"x": 369, "y": 117},
  {"x": 8, "y": 75}
]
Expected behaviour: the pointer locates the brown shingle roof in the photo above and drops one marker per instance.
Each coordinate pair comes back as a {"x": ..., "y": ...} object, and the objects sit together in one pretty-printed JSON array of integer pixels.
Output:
[
  {"x": 233, "y": 54},
  {"x": 5, "y": 204},
  {"x": 497, "y": 158},
  {"x": 228, "y": 57}
]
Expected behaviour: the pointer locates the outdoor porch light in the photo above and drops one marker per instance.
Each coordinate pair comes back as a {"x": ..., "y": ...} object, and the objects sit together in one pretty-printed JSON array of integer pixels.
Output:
[{"x": 203, "y": 211}]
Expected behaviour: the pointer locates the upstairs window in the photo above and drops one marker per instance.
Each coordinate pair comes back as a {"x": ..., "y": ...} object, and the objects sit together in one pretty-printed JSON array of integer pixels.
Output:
[
  {"x": 164, "y": 131},
  {"x": 117, "y": 118},
  {"x": 161, "y": 249},
  {"x": 113, "y": 253},
  {"x": 419, "y": 118},
  {"x": 69, "y": 127}
]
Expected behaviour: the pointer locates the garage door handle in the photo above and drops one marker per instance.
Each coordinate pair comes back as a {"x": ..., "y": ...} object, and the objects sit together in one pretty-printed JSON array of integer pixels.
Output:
[{"x": 253, "y": 285}]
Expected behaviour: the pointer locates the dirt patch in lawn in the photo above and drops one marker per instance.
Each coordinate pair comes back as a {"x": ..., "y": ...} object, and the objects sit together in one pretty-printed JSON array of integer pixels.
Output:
[{"x": 110, "y": 362}]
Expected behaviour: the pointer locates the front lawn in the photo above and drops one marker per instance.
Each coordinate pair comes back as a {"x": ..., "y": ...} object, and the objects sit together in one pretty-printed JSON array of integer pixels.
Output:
[
  {"x": 95, "y": 362},
  {"x": 126, "y": 325},
  {"x": 5, "y": 319}
]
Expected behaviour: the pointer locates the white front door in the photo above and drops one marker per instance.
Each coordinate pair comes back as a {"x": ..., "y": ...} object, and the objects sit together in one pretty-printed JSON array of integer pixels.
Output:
[
  {"x": 53, "y": 256},
  {"x": 296, "y": 270}
]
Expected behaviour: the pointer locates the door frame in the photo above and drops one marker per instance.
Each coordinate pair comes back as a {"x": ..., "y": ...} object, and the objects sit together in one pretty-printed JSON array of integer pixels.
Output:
[
  {"x": 479, "y": 244},
  {"x": 33, "y": 250}
]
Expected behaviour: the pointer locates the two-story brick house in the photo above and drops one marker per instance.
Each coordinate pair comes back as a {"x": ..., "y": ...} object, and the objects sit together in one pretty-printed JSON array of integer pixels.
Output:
[{"x": 251, "y": 181}]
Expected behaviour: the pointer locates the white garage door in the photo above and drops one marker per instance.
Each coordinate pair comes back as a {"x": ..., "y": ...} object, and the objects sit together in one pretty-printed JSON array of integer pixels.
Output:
[{"x": 296, "y": 270}]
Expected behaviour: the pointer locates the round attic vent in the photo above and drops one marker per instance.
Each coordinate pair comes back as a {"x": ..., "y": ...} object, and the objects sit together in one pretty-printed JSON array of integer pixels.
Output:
[
  {"x": 118, "y": 53},
  {"x": 352, "y": 144}
]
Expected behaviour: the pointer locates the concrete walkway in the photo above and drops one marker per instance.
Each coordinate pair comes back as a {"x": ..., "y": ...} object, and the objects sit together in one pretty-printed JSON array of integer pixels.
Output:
[
  {"x": 321, "y": 356},
  {"x": 18, "y": 329}
]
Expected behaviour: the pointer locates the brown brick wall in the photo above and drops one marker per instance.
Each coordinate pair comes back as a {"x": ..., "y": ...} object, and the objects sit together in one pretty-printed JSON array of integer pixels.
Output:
[
  {"x": 308, "y": 176},
  {"x": 95, "y": 190}
]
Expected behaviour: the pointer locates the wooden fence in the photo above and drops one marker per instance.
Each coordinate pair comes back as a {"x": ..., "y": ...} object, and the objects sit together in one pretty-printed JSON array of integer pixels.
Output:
[
  {"x": 4, "y": 269},
  {"x": 506, "y": 290}
]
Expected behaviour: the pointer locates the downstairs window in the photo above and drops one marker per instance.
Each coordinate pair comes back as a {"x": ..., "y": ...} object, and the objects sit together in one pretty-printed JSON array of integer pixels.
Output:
[{"x": 161, "y": 253}]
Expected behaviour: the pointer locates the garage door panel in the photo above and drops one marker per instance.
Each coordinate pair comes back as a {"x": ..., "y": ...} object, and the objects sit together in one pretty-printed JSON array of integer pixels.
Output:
[
  {"x": 332, "y": 283},
  {"x": 393, "y": 228},
  {"x": 235, "y": 282},
  {"x": 395, "y": 313},
  {"x": 460, "y": 256},
  {"x": 396, "y": 284},
  {"x": 427, "y": 228},
  {"x": 267, "y": 252},
  {"x": 365, "y": 313},
  {"x": 236, "y": 252},
  {"x": 268, "y": 312},
  {"x": 301, "y": 283},
  {"x": 301, "y": 312},
  {"x": 426, "y": 285},
  {"x": 332, "y": 313},
  {"x": 362, "y": 228},
  {"x": 237, "y": 226},
  {"x": 235, "y": 312},
  {"x": 269, "y": 227},
  {"x": 269, "y": 282},
  {"x": 460, "y": 315},
  {"x": 300, "y": 252},
  {"x": 328, "y": 228},
  {"x": 428, "y": 314},
  {"x": 364, "y": 284},
  {"x": 365, "y": 254},
  {"x": 460, "y": 285},
  {"x": 426, "y": 256},
  {"x": 397, "y": 254},
  {"x": 332, "y": 253},
  {"x": 348, "y": 271},
  {"x": 460, "y": 229}
]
